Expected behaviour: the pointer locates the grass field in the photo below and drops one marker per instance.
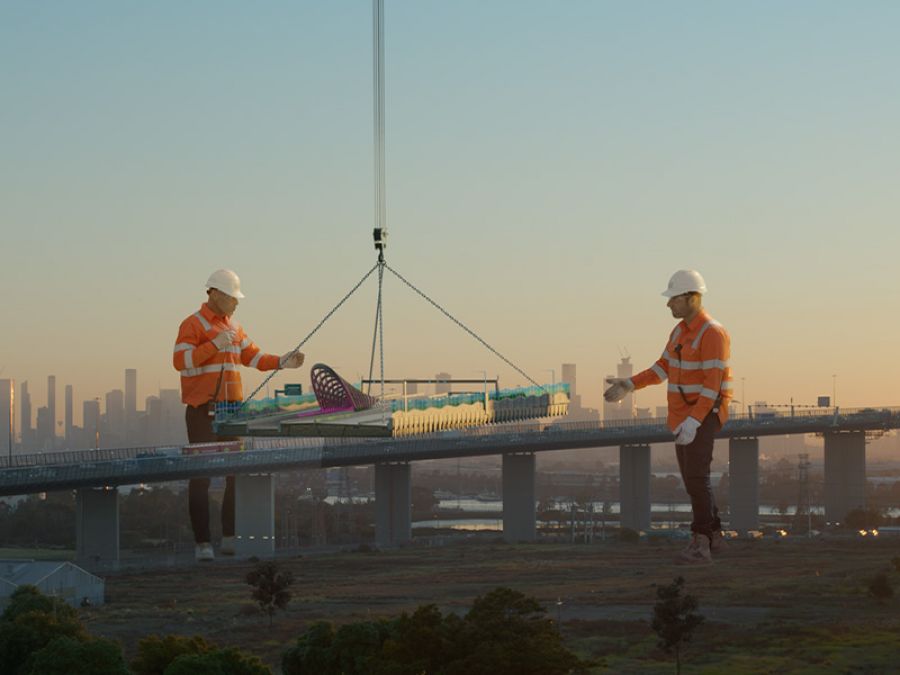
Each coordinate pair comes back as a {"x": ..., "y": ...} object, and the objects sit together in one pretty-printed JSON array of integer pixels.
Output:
[{"x": 771, "y": 606}]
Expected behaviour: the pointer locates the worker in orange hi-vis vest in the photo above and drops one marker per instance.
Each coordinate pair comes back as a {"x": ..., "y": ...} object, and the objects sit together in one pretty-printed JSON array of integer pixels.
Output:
[
  {"x": 695, "y": 362},
  {"x": 209, "y": 351}
]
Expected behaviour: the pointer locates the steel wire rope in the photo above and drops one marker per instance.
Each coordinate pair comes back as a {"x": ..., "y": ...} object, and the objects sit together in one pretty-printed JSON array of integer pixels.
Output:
[
  {"x": 465, "y": 328},
  {"x": 306, "y": 339}
]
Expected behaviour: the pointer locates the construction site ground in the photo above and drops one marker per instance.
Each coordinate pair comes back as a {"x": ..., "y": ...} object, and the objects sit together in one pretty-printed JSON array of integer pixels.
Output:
[{"x": 771, "y": 606}]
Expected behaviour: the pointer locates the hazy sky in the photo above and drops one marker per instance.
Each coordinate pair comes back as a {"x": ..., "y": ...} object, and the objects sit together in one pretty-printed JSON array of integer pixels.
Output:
[{"x": 549, "y": 164}]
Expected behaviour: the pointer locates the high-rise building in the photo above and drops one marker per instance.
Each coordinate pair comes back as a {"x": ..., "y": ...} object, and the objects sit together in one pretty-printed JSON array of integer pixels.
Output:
[
  {"x": 43, "y": 440},
  {"x": 172, "y": 417},
  {"x": 69, "y": 425},
  {"x": 91, "y": 422},
  {"x": 443, "y": 384},
  {"x": 51, "y": 405},
  {"x": 7, "y": 417},
  {"x": 624, "y": 409},
  {"x": 130, "y": 399},
  {"x": 568, "y": 376},
  {"x": 25, "y": 408},
  {"x": 115, "y": 416}
]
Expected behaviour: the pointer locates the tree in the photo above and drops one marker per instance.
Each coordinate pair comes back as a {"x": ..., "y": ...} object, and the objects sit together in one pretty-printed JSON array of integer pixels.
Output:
[
  {"x": 505, "y": 633},
  {"x": 229, "y": 661},
  {"x": 880, "y": 588},
  {"x": 270, "y": 587},
  {"x": 673, "y": 618},
  {"x": 313, "y": 652},
  {"x": 31, "y": 622},
  {"x": 155, "y": 653},
  {"x": 29, "y": 598},
  {"x": 69, "y": 656}
]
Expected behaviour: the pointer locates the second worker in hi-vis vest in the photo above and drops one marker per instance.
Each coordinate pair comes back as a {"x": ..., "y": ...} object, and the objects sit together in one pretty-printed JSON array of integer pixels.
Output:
[
  {"x": 209, "y": 351},
  {"x": 695, "y": 362}
]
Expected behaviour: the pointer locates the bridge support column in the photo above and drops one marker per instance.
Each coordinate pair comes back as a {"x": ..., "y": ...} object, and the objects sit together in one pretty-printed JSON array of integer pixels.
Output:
[
  {"x": 254, "y": 515},
  {"x": 97, "y": 527},
  {"x": 393, "y": 504},
  {"x": 743, "y": 484},
  {"x": 845, "y": 474},
  {"x": 519, "y": 521},
  {"x": 634, "y": 487}
]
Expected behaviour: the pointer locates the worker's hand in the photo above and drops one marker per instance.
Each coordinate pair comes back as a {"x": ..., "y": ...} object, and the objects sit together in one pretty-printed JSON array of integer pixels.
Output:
[
  {"x": 619, "y": 388},
  {"x": 686, "y": 432},
  {"x": 224, "y": 339},
  {"x": 291, "y": 360}
]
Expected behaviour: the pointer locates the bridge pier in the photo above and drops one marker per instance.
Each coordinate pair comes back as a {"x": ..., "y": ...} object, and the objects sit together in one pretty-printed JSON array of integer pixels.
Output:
[
  {"x": 97, "y": 527},
  {"x": 845, "y": 474},
  {"x": 393, "y": 502},
  {"x": 634, "y": 487},
  {"x": 519, "y": 492},
  {"x": 743, "y": 484},
  {"x": 254, "y": 515}
]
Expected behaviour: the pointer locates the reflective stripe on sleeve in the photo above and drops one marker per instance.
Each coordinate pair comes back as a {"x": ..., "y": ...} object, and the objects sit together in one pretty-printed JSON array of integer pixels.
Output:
[
  {"x": 659, "y": 371},
  {"x": 245, "y": 343},
  {"x": 711, "y": 322},
  {"x": 189, "y": 360},
  {"x": 183, "y": 346},
  {"x": 203, "y": 370},
  {"x": 203, "y": 321},
  {"x": 709, "y": 393},
  {"x": 255, "y": 360}
]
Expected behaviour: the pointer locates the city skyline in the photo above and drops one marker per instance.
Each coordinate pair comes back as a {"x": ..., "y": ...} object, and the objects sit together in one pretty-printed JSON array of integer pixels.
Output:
[{"x": 543, "y": 196}]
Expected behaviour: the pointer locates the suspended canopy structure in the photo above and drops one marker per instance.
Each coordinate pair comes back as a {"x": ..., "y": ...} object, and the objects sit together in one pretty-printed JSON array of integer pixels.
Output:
[{"x": 336, "y": 407}]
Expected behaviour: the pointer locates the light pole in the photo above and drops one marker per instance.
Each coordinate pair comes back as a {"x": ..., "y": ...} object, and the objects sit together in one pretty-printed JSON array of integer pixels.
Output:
[
  {"x": 744, "y": 394},
  {"x": 834, "y": 390}
]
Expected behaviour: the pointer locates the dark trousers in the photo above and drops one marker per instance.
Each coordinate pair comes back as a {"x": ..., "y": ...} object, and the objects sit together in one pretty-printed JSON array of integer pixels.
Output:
[
  {"x": 694, "y": 460},
  {"x": 200, "y": 430}
]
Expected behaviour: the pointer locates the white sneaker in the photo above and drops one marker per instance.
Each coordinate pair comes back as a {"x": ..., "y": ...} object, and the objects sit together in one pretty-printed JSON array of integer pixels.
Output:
[
  {"x": 204, "y": 552},
  {"x": 227, "y": 547},
  {"x": 697, "y": 554}
]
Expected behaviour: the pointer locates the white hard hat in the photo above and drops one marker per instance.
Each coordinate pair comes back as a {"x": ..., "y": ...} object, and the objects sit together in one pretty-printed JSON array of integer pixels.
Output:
[
  {"x": 226, "y": 281},
  {"x": 685, "y": 281}
]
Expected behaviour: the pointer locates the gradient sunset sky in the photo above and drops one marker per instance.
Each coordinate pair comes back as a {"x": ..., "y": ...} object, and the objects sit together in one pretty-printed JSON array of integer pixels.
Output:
[{"x": 549, "y": 165}]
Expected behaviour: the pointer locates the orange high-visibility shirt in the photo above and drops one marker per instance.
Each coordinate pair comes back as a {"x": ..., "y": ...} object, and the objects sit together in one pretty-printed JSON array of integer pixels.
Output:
[
  {"x": 695, "y": 361},
  {"x": 202, "y": 365}
]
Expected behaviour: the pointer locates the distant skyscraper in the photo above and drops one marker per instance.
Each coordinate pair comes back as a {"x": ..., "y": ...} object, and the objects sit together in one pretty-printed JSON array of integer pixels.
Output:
[
  {"x": 51, "y": 405},
  {"x": 172, "y": 417},
  {"x": 568, "y": 376},
  {"x": 69, "y": 426},
  {"x": 442, "y": 386},
  {"x": 91, "y": 422},
  {"x": 25, "y": 407},
  {"x": 130, "y": 399},
  {"x": 7, "y": 417},
  {"x": 44, "y": 432},
  {"x": 115, "y": 416}
]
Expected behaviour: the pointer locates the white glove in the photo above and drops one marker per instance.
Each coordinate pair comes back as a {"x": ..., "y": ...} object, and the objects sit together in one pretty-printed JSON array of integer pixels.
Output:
[
  {"x": 619, "y": 388},
  {"x": 224, "y": 339},
  {"x": 291, "y": 360},
  {"x": 686, "y": 432}
]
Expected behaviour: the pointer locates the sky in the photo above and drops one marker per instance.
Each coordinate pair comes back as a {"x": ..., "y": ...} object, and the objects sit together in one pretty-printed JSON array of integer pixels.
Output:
[{"x": 548, "y": 166}]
